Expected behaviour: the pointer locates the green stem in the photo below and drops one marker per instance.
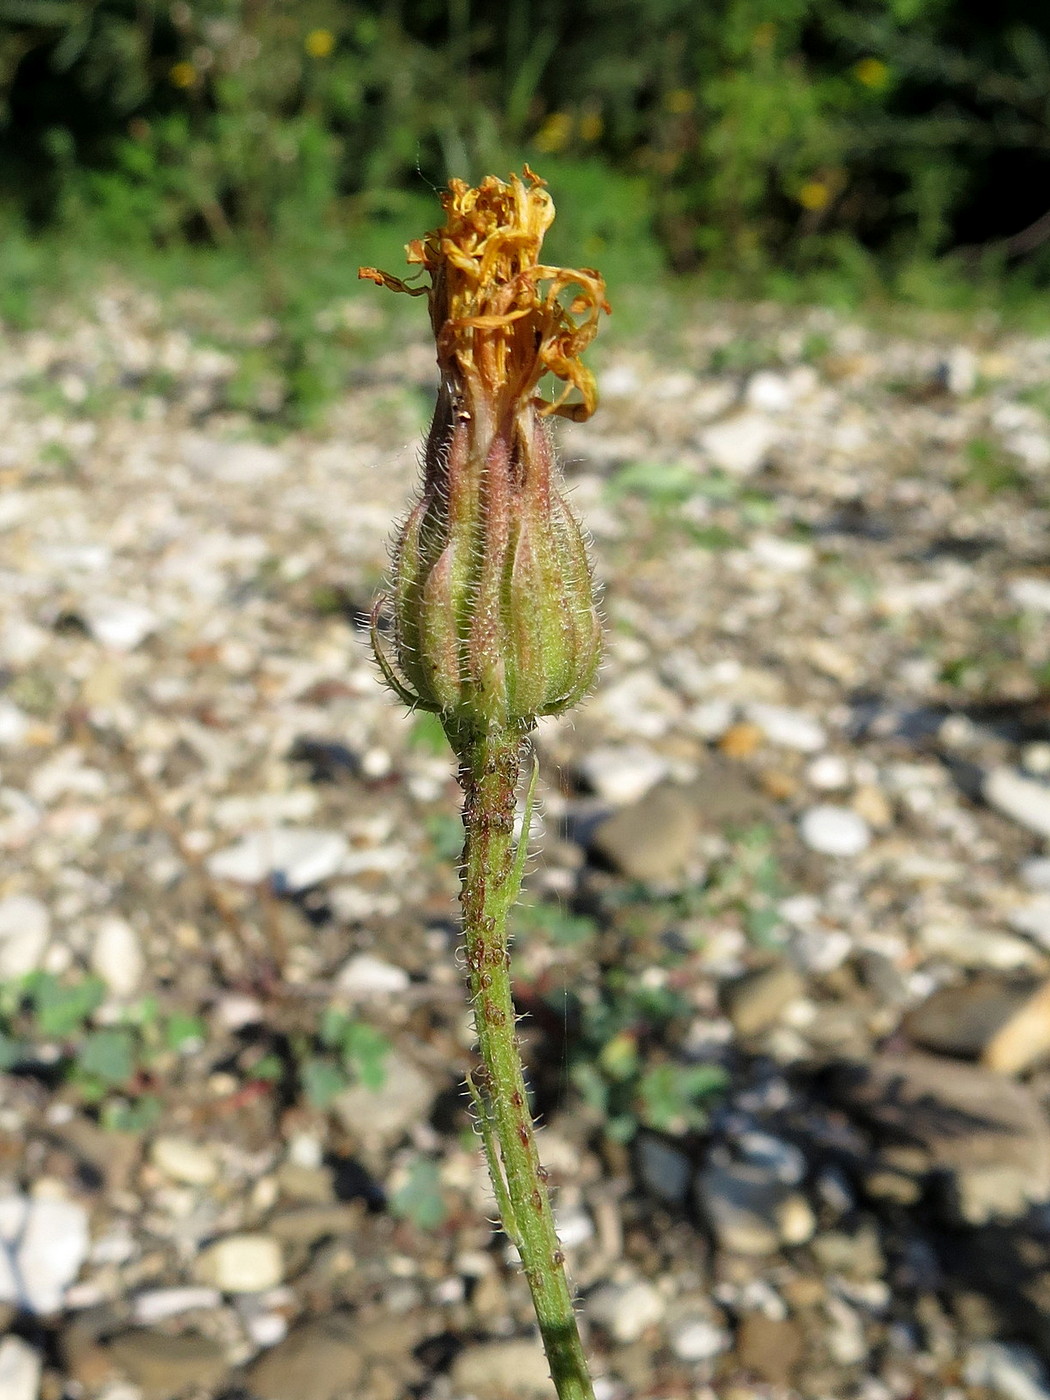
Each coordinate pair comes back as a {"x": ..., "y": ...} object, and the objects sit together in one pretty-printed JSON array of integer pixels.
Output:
[{"x": 490, "y": 765}]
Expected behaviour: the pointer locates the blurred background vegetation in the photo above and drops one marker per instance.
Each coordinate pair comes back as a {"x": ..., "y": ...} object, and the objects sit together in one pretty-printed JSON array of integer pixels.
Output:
[{"x": 834, "y": 150}]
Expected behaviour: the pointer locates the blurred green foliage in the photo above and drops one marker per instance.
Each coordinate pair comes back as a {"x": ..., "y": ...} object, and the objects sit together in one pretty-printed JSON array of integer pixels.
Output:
[{"x": 747, "y": 135}]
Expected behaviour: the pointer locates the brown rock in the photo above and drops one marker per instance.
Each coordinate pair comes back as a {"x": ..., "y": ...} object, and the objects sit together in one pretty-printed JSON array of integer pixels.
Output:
[
  {"x": 652, "y": 839},
  {"x": 769, "y": 1348},
  {"x": 756, "y": 1001},
  {"x": 318, "y": 1361},
  {"x": 1024, "y": 1039},
  {"x": 987, "y": 1137},
  {"x": 741, "y": 740},
  {"x": 502, "y": 1370},
  {"x": 165, "y": 1367},
  {"x": 309, "y": 1223},
  {"x": 963, "y": 1020}
]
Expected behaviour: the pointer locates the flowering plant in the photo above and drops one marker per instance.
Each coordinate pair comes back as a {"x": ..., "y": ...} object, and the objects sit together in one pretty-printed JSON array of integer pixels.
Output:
[{"x": 495, "y": 625}]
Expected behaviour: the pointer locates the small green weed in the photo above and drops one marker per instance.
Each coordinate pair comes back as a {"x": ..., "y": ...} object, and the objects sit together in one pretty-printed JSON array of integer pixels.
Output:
[
  {"x": 555, "y": 923},
  {"x": 622, "y": 1060},
  {"x": 48, "y": 1024},
  {"x": 419, "y": 1199},
  {"x": 989, "y": 469},
  {"x": 351, "y": 1050},
  {"x": 661, "y": 484}
]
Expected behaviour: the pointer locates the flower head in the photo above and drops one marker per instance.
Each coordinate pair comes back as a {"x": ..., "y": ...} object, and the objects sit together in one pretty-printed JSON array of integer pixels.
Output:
[
  {"x": 492, "y": 318},
  {"x": 493, "y": 603}
]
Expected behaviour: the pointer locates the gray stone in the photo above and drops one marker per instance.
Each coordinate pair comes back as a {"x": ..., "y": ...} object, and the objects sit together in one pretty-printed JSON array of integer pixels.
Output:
[
  {"x": 307, "y": 1224},
  {"x": 723, "y": 795},
  {"x": 749, "y": 1211},
  {"x": 317, "y": 1361},
  {"x": 650, "y": 840},
  {"x": 782, "y": 1160},
  {"x": 165, "y": 1367},
  {"x": 769, "y": 1348},
  {"x": 757, "y": 1000},
  {"x": 664, "y": 1170}
]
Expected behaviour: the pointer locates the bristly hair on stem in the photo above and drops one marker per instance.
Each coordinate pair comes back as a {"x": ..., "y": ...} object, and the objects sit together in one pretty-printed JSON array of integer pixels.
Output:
[{"x": 495, "y": 624}]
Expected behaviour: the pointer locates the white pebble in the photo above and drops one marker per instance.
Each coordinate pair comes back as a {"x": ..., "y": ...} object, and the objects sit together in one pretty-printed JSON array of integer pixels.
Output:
[
  {"x": 790, "y": 729},
  {"x": 297, "y": 857},
  {"x": 14, "y": 724},
  {"x": 365, "y": 977},
  {"x": 1036, "y": 873},
  {"x": 574, "y": 1226},
  {"x": 1007, "y": 1369},
  {"x": 739, "y": 445},
  {"x": 183, "y": 1160},
  {"x": 20, "y": 1368},
  {"x": 834, "y": 831},
  {"x": 158, "y": 1304},
  {"x": 1035, "y": 759},
  {"x": 829, "y": 772},
  {"x": 50, "y": 1243},
  {"x": 622, "y": 773},
  {"x": 248, "y": 1263},
  {"x": 25, "y": 927},
  {"x": 1033, "y": 919},
  {"x": 697, "y": 1339},
  {"x": 118, "y": 623},
  {"x": 769, "y": 391},
  {"x": 1025, "y": 800},
  {"x": 117, "y": 956},
  {"x": 626, "y": 1310},
  {"x": 710, "y": 718}
]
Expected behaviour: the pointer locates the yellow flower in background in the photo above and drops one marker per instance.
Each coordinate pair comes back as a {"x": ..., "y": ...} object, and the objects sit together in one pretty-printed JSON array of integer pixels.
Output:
[
  {"x": 319, "y": 43},
  {"x": 765, "y": 35},
  {"x": 679, "y": 101},
  {"x": 182, "y": 75},
  {"x": 872, "y": 72},
  {"x": 814, "y": 196},
  {"x": 591, "y": 126},
  {"x": 555, "y": 133}
]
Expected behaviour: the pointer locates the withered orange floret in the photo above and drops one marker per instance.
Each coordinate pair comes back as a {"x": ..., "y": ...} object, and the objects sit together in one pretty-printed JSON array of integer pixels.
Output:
[{"x": 492, "y": 316}]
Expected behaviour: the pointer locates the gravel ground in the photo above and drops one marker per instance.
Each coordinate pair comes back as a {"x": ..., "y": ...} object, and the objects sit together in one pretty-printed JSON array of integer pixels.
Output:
[{"x": 786, "y": 946}]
